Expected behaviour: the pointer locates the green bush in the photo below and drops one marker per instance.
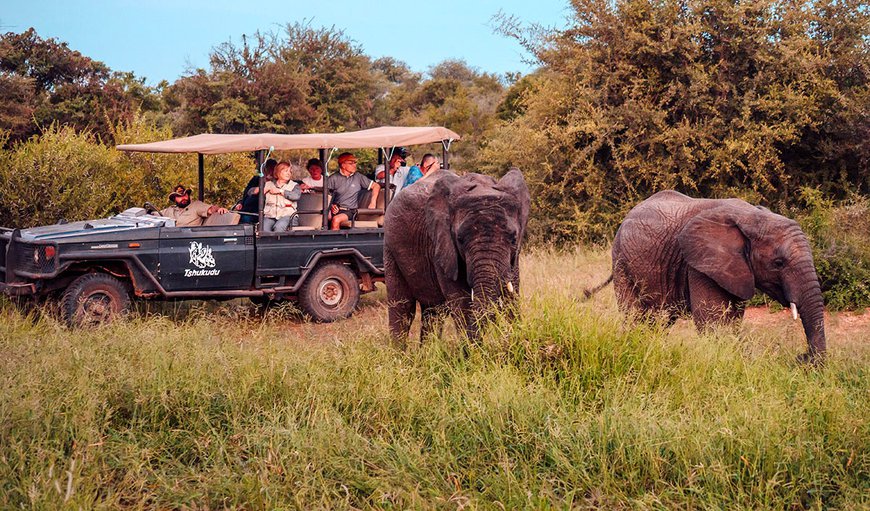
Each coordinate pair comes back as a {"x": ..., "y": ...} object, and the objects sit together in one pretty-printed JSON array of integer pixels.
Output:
[{"x": 65, "y": 174}]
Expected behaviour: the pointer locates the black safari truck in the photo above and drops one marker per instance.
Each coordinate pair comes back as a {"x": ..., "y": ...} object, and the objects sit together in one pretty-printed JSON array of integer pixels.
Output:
[{"x": 97, "y": 267}]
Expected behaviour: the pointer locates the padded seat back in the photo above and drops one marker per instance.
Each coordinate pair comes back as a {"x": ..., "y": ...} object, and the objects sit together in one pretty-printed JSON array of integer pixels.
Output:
[
  {"x": 371, "y": 219},
  {"x": 228, "y": 218},
  {"x": 312, "y": 202}
]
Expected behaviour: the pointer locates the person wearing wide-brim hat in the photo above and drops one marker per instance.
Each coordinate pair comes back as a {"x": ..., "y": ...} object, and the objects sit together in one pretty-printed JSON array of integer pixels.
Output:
[{"x": 185, "y": 212}]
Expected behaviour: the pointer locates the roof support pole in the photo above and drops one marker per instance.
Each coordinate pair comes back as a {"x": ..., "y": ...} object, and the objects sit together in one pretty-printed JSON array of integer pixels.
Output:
[
  {"x": 201, "y": 177},
  {"x": 322, "y": 156},
  {"x": 261, "y": 197},
  {"x": 387, "y": 177},
  {"x": 445, "y": 155}
]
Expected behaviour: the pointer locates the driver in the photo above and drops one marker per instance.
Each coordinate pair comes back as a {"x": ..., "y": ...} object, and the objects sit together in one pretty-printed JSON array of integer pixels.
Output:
[{"x": 185, "y": 212}]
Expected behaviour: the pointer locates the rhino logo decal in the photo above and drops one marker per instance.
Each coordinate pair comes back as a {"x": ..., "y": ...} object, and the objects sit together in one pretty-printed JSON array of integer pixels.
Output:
[{"x": 200, "y": 256}]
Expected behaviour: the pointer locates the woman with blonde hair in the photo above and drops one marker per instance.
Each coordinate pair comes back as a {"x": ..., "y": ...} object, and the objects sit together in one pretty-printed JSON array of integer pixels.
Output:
[{"x": 281, "y": 196}]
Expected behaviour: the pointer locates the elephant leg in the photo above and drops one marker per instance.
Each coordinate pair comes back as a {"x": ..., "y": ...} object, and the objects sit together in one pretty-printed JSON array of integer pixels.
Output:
[
  {"x": 432, "y": 321},
  {"x": 628, "y": 296},
  {"x": 400, "y": 303},
  {"x": 710, "y": 304}
]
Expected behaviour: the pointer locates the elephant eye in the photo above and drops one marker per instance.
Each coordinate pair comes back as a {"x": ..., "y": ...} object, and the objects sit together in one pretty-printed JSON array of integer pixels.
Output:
[{"x": 779, "y": 263}]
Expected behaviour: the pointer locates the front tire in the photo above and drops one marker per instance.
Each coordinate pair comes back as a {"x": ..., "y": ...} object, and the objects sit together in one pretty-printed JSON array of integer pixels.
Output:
[
  {"x": 330, "y": 293},
  {"x": 93, "y": 299}
]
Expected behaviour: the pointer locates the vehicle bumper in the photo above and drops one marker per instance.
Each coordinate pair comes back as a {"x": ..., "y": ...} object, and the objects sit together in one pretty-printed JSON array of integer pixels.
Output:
[{"x": 17, "y": 289}]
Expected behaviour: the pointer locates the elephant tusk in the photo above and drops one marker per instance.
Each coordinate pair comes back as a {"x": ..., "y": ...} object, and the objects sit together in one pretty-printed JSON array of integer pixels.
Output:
[
  {"x": 472, "y": 294},
  {"x": 510, "y": 286},
  {"x": 794, "y": 314}
]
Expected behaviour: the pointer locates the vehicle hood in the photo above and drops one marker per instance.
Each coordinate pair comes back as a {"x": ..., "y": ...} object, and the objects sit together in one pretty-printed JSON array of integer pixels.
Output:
[{"x": 133, "y": 218}]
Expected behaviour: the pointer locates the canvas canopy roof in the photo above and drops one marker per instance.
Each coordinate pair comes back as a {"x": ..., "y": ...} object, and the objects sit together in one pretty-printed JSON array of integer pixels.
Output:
[{"x": 386, "y": 136}]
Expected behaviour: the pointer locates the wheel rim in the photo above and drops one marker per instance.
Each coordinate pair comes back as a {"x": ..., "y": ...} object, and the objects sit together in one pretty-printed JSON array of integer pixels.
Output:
[
  {"x": 96, "y": 308},
  {"x": 330, "y": 292}
]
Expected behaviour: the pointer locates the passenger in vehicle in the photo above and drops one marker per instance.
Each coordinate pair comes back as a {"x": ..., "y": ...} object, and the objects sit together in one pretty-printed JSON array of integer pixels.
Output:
[
  {"x": 315, "y": 178},
  {"x": 345, "y": 186},
  {"x": 427, "y": 165},
  {"x": 398, "y": 172},
  {"x": 250, "y": 201},
  {"x": 185, "y": 212},
  {"x": 281, "y": 196}
]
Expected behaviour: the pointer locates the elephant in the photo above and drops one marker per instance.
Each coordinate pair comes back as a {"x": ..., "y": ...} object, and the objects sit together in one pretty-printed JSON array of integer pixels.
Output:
[
  {"x": 452, "y": 244},
  {"x": 678, "y": 254}
]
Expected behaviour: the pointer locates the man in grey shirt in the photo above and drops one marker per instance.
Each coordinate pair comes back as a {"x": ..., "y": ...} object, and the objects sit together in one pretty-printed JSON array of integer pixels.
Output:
[{"x": 345, "y": 187}]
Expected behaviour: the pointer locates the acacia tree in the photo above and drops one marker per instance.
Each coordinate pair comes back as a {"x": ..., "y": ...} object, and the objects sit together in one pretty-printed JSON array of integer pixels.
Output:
[{"x": 712, "y": 97}]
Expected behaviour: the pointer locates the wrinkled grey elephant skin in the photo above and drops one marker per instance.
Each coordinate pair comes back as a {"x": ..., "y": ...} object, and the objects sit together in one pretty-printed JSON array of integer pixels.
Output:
[
  {"x": 677, "y": 255},
  {"x": 452, "y": 244}
]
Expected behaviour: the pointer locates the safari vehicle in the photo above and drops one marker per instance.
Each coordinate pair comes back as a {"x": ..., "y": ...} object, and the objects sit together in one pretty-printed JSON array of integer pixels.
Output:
[{"x": 96, "y": 267}]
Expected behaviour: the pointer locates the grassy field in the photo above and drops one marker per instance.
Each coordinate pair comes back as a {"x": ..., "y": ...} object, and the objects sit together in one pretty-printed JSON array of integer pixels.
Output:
[{"x": 212, "y": 406}]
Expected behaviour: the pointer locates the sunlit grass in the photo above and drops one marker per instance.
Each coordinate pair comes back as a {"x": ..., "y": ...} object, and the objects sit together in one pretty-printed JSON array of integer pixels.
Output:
[{"x": 216, "y": 406}]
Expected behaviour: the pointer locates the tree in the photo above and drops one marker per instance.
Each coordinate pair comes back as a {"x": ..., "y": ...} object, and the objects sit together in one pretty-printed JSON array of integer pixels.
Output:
[
  {"x": 44, "y": 81},
  {"x": 712, "y": 97},
  {"x": 300, "y": 80}
]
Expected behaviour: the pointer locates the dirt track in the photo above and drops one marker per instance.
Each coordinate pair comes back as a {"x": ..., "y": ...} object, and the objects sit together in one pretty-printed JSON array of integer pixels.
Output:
[{"x": 843, "y": 328}]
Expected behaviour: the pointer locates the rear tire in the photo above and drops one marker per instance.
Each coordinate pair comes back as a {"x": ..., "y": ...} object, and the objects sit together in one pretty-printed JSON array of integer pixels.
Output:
[
  {"x": 330, "y": 293},
  {"x": 93, "y": 299}
]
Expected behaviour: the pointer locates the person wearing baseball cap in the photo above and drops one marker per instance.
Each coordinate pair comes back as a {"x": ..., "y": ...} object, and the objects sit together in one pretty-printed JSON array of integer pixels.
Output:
[
  {"x": 185, "y": 212},
  {"x": 345, "y": 186}
]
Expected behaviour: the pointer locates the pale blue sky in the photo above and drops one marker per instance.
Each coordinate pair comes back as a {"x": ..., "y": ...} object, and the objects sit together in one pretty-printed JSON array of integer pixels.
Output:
[{"x": 160, "y": 39}]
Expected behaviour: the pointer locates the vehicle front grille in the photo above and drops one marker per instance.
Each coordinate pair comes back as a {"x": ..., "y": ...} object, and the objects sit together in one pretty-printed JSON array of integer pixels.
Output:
[{"x": 34, "y": 259}]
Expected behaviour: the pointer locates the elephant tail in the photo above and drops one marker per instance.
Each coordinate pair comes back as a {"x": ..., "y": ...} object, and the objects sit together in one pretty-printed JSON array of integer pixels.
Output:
[{"x": 587, "y": 293}]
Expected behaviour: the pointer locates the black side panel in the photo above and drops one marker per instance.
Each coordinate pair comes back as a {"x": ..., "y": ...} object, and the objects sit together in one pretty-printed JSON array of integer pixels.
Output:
[
  {"x": 288, "y": 255},
  {"x": 206, "y": 258}
]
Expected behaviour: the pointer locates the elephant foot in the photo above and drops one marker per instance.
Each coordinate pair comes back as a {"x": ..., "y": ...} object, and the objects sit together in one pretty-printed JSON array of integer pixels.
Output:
[{"x": 815, "y": 359}]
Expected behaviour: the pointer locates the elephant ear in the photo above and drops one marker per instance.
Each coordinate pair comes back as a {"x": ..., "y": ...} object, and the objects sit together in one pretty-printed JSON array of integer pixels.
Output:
[
  {"x": 714, "y": 244},
  {"x": 438, "y": 218},
  {"x": 514, "y": 185}
]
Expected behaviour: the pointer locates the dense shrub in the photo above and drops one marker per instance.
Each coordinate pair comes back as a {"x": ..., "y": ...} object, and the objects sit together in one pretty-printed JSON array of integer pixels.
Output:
[{"x": 68, "y": 174}]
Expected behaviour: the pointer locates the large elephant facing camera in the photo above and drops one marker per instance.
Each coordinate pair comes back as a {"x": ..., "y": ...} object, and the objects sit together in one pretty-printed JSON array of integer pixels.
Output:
[
  {"x": 452, "y": 244},
  {"x": 677, "y": 254}
]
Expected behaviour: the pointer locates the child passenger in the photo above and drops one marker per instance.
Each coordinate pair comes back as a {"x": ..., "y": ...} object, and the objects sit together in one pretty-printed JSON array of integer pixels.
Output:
[
  {"x": 281, "y": 197},
  {"x": 315, "y": 178}
]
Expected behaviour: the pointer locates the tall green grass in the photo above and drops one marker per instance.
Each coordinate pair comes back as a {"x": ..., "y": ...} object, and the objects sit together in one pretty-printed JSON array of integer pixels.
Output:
[{"x": 565, "y": 407}]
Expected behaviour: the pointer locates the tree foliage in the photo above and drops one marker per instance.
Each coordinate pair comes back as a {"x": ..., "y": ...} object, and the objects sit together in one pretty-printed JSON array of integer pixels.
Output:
[
  {"x": 711, "y": 97},
  {"x": 43, "y": 81},
  {"x": 69, "y": 174},
  {"x": 301, "y": 80}
]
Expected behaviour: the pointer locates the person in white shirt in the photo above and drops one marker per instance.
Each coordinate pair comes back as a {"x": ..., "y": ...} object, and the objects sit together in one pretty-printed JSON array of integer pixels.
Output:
[
  {"x": 398, "y": 172},
  {"x": 315, "y": 178}
]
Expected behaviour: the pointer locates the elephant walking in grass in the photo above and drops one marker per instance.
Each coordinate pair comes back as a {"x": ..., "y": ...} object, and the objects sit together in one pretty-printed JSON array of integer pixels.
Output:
[
  {"x": 676, "y": 254},
  {"x": 452, "y": 244}
]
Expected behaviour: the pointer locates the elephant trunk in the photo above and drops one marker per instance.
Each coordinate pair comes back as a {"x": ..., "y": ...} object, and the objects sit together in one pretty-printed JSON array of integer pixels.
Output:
[
  {"x": 812, "y": 312},
  {"x": 802, "y": 291},
  {"x": 491, "y": 282},
  {"x": 485, "y": 288}
]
